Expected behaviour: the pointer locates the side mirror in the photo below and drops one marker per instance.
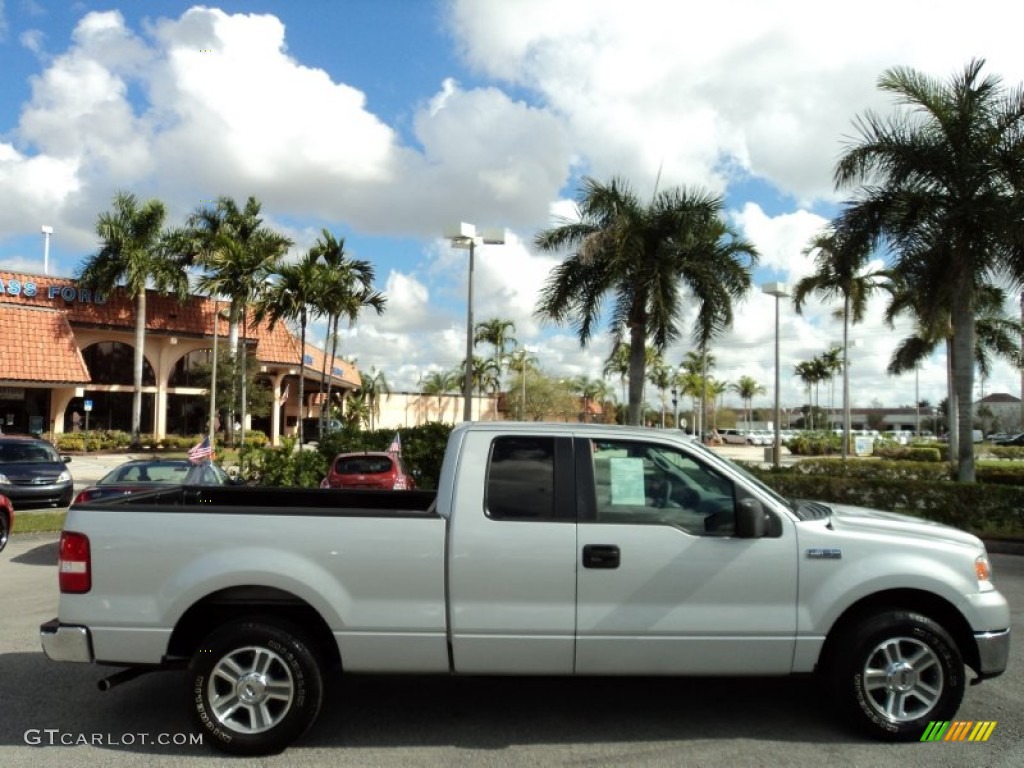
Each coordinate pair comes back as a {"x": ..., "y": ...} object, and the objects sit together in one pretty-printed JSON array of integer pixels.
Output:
[{"x": 750, "y": 519}]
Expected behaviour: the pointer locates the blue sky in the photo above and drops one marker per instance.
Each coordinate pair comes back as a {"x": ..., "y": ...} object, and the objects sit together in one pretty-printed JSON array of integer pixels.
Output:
[{"x": 385, "y": 120}]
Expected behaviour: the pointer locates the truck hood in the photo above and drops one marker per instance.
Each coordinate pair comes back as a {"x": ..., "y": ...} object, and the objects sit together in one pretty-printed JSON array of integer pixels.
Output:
[{"x": 851, "y": 518}]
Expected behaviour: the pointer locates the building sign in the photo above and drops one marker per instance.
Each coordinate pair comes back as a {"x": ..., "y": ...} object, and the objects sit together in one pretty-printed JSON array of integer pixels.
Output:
[{"x": 69, "y": 293}]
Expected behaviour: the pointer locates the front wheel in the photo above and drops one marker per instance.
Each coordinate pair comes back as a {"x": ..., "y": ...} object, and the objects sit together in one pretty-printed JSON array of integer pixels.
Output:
[
  {"x": 255, "y": 687},
  {"x": 5, "y": 529},
  {"x": 897, "y": 671}
]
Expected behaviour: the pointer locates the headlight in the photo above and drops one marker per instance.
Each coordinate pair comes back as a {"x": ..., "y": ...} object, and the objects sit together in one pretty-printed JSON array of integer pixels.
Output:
[
  {"x": 983, "y": 571},
  {"x": 64, "y": 477}
]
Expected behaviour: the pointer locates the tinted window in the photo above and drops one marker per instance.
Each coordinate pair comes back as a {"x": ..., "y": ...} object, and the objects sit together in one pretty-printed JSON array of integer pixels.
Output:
[
  {"x": 521, "y": 478},
  {"x": 18, "y": 451},
  {"x": 363, "y": 465}
]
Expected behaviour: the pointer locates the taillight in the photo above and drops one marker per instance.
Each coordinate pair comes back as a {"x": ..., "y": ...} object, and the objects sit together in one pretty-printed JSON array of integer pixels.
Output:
[
  {"x": 83, "y": 497},
  {"x": 75, "y": 565}
]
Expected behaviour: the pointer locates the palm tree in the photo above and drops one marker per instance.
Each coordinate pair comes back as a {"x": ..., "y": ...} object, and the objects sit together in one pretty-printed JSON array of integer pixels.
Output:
[
  {"x": 375, "y": 386},
  {"x": 699, "y": 363},
  {"x": 940, "y": 182},
  {"x": 238, "y": 254},
  {"x": 346, "y": 289},
  {"x": 617, "y": 364},
  {"x": 485, "y": 374},
  {"x": 840, "y": 263},
  {"x": 498, "y": 333},
  {"x": 810, "y": 372},
  {"x": 645, "y": 256},
  {"x": 292, "y": 294},
  {"x": 440, "y": 383},
  {"x": 717, "y": 390},
  {"x": 521, "y": 361},
  {"x": 134, "y": 252},
  {"x": 660, "y": 375},
  {"x": 748, "y": 388}
]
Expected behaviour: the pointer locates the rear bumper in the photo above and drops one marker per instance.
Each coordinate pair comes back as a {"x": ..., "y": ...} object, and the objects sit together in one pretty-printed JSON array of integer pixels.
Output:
[
  {"x": 993, "y": 652},
  {"x": 65, "y": 642}
]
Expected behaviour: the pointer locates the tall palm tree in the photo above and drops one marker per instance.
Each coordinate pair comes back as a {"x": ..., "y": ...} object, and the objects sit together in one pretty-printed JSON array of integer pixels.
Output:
[
  {"x": 717, "y": 390},
  {"x": 485, "y": 374},
  {"x": 346, "y": 289},
  {"x": 660, "y": 376},
  {"x": 375, "y": 387},
  {"x": 699, "y": 363},
  {"x": 133, "y": 253},
  {"x": 522, "y": 362},
  {"x": 440, "y": 383},
  {"x": 748, "y": 388},
  {"x": 617, "y": 364},
  {"x": 497, "y": 332},
  {"x": 645, "y": 257},
  {"x": 237, "y": 254},
  {"x": 840, "y": 273},
  {"x": 810, "y": 373},
  {"x": 292, "y": 294},
  {"x": 940, "y": 182}
]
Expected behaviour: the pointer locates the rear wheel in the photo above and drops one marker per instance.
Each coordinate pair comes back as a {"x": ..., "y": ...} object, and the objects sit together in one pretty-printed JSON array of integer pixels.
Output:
[
  {"x": 256, "y": 686},
  {"x": 5, "y": 529},
  {"x": 895, "y": 672}
]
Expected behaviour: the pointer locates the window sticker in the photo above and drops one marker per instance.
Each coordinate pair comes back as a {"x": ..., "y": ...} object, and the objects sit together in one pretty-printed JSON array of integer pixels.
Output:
[{"x": 627, "y": 476}]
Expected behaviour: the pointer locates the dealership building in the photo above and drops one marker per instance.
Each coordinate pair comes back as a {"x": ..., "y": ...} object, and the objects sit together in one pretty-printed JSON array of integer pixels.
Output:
[{"x": 69, "y": 356}]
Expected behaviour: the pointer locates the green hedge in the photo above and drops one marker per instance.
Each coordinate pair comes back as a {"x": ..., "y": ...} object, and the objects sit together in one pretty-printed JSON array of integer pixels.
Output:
[
  {"x": 983, "y": 508},
  {"x": 115, "y": 440}
]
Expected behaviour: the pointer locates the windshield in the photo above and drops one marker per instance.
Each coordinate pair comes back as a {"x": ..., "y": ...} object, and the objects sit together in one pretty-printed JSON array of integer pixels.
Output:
[{"x": 27, "y": 453}]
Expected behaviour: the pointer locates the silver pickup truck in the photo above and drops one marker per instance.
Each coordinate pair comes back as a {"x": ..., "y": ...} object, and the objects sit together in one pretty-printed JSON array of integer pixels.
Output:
[{"x": 547, "y": 550}]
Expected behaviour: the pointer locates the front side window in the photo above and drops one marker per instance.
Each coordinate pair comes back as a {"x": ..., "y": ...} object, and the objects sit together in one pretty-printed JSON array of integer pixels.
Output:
[
  {"x": 521, "y": 478},
  {"x": 637, "y": 482}
]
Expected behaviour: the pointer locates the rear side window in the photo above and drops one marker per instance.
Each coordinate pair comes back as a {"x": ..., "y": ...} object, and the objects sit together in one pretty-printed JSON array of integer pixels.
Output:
[
  {"x": 363, "y": 465},
  {"x": 521, "y": 478}
]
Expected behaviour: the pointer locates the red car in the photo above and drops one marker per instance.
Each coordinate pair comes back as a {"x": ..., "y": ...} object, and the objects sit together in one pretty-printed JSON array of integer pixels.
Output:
[
  {"x": 6, "y": 520},
  {"x": 374, "y": 471}
]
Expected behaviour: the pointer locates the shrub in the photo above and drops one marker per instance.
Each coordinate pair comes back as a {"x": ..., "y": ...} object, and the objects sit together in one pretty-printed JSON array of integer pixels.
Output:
[{"x": 282, "y": 467}]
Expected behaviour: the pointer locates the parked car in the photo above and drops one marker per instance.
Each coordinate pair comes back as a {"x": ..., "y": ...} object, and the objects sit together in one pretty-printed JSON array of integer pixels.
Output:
[
  {"x": 6, "y": 520},
  {"x": 150, "y": 474},
  {"x": 1015, "y": 440},
  {"x": 377, "y": 471},
  {"x": 32, "y": 473}
]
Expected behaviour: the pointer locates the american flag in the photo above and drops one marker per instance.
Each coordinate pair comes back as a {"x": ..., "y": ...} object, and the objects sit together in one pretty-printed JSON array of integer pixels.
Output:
[
  {"x": 284, "y": 395},
  {"x": 200, "y": 452},
  {"x": 396, "y": 444}
]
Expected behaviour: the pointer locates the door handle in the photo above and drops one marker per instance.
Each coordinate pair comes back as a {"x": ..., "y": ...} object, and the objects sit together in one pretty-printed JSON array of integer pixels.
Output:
[{"x": 600, "y": 556}]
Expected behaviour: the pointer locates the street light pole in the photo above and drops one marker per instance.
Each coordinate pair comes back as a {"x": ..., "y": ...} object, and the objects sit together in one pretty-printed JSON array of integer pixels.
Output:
[
  {"x": 464, "y": 236},
  {"x": 778, "y": 290}
]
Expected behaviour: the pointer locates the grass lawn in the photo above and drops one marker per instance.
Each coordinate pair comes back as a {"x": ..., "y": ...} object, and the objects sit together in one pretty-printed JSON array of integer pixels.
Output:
[{"x": 38, "y": 522}]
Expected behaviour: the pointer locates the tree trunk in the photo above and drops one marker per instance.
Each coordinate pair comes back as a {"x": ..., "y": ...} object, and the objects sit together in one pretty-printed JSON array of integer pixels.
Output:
[
  {"x": 140, "y": 358},
  {"x": 963, "y": 380},
  {"x": 846, "y": 376},
  {"x": 637, "y": 373},
  {"x": 302, "y": 371}
]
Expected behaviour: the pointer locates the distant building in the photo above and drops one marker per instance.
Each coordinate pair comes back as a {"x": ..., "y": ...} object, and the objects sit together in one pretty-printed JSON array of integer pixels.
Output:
[{"x": 65, "y": 347}]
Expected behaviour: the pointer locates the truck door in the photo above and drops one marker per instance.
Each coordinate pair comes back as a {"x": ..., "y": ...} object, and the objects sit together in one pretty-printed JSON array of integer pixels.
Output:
[
  {"x": 664, "y": 587},
  {"x": 512, "y": 555}
]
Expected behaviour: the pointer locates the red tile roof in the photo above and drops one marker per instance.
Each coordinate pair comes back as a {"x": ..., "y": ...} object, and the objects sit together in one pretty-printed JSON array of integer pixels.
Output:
[
  {"x": 165, "y": 315},
  {"x": 39, "y": 346}
]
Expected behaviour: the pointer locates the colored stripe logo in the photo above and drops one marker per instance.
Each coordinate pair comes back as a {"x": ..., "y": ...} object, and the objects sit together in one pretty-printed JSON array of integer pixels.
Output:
[{"x": 958, "y": 730}]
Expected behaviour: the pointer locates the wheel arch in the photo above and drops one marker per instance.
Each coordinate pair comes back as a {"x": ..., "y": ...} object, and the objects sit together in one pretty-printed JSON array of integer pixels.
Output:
[
  {"x": 255, "y": 602},
  {"x": 927, "y": 604}
]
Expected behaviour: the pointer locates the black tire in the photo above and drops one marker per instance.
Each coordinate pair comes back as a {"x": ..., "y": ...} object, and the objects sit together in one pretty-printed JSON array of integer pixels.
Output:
[
  {"x": 255, "y": 687},
  {"x": 5, "y": 530},
  {"x": 895, "y": 672}
]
